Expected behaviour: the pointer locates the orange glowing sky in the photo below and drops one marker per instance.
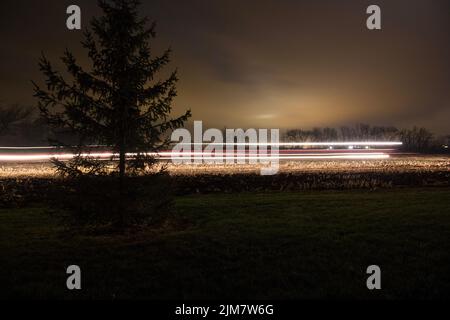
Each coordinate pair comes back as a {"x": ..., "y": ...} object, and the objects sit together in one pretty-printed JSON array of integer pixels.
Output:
[{"x": 269, "y": 63}]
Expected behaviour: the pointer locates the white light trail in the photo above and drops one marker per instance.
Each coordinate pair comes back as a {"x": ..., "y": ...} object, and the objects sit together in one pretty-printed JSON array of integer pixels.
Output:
[
  {"x": 304, "y": 144},
  {"x": 194, "y": 156},
  {"x": 285, "y": 154},
  {"x": 26, "y": 148},
  {"x": 294, "y": 157},
  {"x": 280, "y": 144},
  {"x": 44, "y": 147},
  {"x": 42, "y": 157}
]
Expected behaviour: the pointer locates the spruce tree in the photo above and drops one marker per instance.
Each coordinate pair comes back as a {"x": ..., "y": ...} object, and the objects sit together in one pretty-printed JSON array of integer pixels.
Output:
[{"x": 119, "y": 103}]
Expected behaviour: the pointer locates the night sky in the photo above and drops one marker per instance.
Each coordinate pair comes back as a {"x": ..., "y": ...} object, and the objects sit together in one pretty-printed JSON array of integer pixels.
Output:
[{"x": 268, "y": 63}]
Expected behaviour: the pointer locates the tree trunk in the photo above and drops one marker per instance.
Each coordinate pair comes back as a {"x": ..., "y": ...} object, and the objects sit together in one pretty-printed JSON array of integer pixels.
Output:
[{"x": 122, "y": 165}]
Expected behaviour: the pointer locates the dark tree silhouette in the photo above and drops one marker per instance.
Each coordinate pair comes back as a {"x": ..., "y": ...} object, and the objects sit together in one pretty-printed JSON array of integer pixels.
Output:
[
  {"x": 416, "y": 139},
  {"x": 119, "y": 103},
  {"x": 13, "y": 115}
]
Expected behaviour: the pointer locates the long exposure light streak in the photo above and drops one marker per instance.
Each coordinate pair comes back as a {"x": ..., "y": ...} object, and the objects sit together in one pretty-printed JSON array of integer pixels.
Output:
[
  {"x": 280, "y": 144},
  {"x": 306, "y": 144},
  {"x": 350, "y": 152},
  {"x": 296, "y": 157},
  {"x": 197, "y": 156}
]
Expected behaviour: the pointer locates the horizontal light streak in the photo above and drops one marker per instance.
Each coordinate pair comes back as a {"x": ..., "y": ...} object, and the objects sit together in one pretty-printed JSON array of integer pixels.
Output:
[
  {"x": 26, "y": 148},
  {"x": 250, "y": 154},
  {"x": 280, "y": 144},
  {"x": 299, "y": 144},
  {"x": 197, "y": 156},
  {"x": 44, "y": 147},
  {"x": 293, "y": 157},
  {"x": 40, "y": 157}
]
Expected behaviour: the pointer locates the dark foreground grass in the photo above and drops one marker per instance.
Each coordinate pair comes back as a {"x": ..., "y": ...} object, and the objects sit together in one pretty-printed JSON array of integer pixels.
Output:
[{"x": 276, "y": 245}]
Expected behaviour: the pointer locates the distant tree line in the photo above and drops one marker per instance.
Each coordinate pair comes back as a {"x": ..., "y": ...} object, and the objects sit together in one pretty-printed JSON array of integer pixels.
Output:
[
  {"x": 19, "y": 125},
  {"x": 23, "y": 126},
  {"x": 416, "y": 139}
]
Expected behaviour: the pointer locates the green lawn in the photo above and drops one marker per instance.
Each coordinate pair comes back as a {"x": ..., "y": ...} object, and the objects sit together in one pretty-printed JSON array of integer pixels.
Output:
[{"x": 275, "y": 245}]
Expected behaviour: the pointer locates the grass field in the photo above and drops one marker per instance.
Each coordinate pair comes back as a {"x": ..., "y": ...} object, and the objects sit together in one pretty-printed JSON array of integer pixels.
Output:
[{"x": 273, "y": 245}]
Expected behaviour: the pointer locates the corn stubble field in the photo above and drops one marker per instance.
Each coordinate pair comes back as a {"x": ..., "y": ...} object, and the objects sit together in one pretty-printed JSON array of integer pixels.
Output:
[
  {"x": 21, "y": 183},
  {"x": 395, "y": 164}
]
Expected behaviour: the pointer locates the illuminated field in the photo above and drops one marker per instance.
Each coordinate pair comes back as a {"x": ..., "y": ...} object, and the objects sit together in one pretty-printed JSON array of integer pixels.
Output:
[{"x": 396, "y": 163}]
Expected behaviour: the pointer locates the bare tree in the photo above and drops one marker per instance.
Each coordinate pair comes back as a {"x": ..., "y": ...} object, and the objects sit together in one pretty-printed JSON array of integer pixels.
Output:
[{"x": 416, "y": 139}]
